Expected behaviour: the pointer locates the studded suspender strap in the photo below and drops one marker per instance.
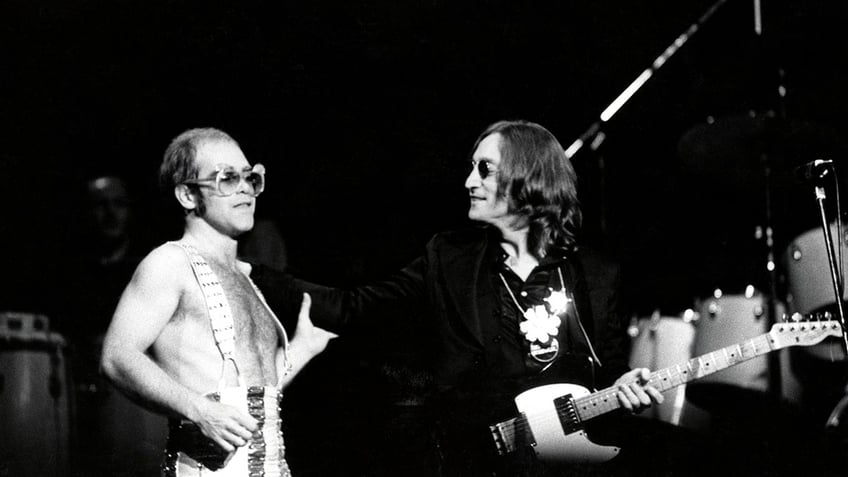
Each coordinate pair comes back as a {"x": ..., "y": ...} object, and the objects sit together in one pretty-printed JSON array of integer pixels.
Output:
[{"x": 220, "y": 315}]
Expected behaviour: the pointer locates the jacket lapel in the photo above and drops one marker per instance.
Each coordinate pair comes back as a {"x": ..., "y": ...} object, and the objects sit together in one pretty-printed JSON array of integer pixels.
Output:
[{"x": 577, "y": 281}]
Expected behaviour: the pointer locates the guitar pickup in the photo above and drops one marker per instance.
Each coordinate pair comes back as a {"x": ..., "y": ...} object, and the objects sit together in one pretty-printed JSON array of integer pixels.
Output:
[
  {"x": 509, "y": 435},
  {"x": 568, "y": 417}
]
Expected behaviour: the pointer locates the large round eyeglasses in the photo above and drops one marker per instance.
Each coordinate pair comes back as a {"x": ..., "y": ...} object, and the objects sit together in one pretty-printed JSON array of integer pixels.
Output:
[{"x": 227, "y": 179}]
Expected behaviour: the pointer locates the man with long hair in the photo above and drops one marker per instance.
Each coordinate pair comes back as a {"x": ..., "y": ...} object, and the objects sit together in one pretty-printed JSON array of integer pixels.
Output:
[{"x": 512, "y": 302}]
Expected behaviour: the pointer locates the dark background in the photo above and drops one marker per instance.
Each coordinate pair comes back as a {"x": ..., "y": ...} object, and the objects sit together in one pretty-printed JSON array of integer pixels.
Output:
[{"x": 364, "y": 113}]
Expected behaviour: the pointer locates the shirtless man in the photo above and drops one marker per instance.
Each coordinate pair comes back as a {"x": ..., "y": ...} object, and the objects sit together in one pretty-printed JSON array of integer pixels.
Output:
[{"x": 219, "y": 388}]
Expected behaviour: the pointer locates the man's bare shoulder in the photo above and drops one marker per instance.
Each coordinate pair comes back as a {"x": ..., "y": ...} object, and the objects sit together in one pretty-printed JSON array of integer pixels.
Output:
[
  {"x": 166, "y": 264},
  {"x": 151, "y": 299}
]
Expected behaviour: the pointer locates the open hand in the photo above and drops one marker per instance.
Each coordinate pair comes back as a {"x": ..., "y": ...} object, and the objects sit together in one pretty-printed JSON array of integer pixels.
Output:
[{"x": 308, "y": 336}]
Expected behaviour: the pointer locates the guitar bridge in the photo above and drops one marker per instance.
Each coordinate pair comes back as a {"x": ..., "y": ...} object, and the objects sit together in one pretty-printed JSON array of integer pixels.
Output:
[{"x": 509, "y": 435}]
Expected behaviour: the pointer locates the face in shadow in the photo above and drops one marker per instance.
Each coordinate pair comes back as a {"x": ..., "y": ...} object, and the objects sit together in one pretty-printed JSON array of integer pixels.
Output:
[{"x": 109, "y": 209}]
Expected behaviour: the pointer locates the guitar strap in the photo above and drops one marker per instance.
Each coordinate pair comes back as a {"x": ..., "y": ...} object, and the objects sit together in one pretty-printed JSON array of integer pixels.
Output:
[
  {"x": 585, "y": 358},
  {"x": 580, "y": 297}
]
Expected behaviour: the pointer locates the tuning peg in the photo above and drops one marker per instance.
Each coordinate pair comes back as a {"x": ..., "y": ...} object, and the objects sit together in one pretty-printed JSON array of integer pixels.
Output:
[{"x": 796, "y": 317}]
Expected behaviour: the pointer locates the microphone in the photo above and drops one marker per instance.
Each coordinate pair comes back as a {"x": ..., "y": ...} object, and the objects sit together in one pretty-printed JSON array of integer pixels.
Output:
[{"x": 813, "y": 170}]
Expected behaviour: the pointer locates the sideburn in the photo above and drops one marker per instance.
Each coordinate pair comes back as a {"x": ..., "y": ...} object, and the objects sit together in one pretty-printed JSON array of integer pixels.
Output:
[{"x": 200, "y": 210}]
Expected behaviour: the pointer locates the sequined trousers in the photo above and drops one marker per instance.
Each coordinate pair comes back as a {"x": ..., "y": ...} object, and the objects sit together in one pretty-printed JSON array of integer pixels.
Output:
[{"x": 189, "y": 453}]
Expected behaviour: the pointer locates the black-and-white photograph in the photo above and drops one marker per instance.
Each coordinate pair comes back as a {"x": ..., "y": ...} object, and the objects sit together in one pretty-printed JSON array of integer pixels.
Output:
[{"x": 423, "y": 238}]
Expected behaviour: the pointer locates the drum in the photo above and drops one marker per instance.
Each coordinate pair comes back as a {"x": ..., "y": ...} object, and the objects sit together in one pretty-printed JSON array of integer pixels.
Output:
[
  {"x": 659, "y": 342},
  {"x": 726, "y": 321},
  {"x": 810, "y": 284},
  {"x": 808, "y": 271},
  {"x": 34, "y": 397}
]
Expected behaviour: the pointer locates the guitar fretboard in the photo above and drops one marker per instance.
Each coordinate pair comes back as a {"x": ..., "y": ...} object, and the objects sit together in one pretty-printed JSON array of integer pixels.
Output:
[{"x": 605, "y": 400}]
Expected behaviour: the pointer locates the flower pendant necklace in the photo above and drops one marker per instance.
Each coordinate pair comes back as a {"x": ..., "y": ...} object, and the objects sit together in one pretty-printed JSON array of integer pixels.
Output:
[{"x": 541, "y": 323}]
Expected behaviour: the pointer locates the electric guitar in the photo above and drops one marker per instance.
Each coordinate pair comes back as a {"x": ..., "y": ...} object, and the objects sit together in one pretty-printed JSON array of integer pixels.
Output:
[{"x": 552, "y": 416}]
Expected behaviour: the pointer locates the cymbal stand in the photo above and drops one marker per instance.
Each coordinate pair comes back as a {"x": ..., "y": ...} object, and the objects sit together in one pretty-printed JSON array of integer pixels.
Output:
[{"x": 775, "y": 378}]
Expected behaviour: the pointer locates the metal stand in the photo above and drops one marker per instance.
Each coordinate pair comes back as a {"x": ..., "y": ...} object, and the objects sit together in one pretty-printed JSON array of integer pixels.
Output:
[
  {"x": 833, "y": 420},
  {"x": 775, "y": 386},
  {"x": 831, "y": 260},
  {"x": 836, "y": 414},
  {"x": 593, "y": 134}
]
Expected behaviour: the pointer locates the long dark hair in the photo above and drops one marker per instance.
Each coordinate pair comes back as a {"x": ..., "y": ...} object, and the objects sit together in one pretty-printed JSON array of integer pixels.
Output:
[{"x": 539, "y": 183}]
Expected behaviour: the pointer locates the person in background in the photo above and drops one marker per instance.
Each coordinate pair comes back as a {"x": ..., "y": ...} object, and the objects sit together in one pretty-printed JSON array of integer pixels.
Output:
[{"x": 111, "y": 435}]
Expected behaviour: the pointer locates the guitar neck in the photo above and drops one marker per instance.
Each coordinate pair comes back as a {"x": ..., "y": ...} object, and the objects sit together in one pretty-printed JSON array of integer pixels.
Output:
[{"x": 605, "y": 400}]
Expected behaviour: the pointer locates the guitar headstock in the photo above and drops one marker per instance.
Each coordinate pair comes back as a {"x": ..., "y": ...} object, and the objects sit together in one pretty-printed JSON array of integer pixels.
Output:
[{"x": 803, "y": 333}]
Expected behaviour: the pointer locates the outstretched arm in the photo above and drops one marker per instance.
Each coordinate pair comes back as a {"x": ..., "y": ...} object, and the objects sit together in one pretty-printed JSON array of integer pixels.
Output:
[{"x": 336, "y": 309}]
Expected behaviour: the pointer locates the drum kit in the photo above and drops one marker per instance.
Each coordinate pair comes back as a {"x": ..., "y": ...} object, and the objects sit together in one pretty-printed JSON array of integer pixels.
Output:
[
  {"x": 752, "y": 152},
  {"x": 751, "y": 164}
]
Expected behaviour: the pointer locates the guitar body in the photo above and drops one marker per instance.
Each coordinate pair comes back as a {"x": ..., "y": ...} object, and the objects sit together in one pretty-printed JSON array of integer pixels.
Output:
[{"x": 553, "y": 444}]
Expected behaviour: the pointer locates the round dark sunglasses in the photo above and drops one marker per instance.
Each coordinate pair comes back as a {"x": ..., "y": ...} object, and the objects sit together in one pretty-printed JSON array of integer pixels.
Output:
[{"x": 484, "y": 168}]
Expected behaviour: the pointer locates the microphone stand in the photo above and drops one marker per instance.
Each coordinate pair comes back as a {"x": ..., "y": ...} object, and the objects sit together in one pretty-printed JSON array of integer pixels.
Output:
[
  {"x": 594, "y": 136},
  {"x": 835, "y": 277},
  {"x": 590, "y": 134},
  {"x": 833, "y": 420}
]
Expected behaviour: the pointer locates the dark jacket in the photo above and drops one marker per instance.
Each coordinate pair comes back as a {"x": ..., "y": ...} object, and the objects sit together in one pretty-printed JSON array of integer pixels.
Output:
[
  {"x": 450, "y": 288},
  {"x": 446, "y": 283}
]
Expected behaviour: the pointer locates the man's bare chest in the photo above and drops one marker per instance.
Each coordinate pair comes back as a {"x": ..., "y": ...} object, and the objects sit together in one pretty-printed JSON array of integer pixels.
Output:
[{"x": 254, "y": 326}]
